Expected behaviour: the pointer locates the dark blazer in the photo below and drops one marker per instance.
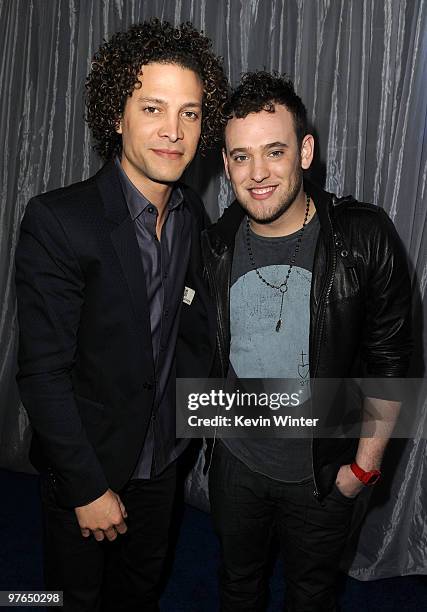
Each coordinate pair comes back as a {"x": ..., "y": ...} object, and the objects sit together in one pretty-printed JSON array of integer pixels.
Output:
[{"x": 86, "y": 371}]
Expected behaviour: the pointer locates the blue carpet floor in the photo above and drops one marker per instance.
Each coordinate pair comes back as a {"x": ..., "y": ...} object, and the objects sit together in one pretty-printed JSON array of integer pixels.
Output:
[{"x": 192, "y": 585}]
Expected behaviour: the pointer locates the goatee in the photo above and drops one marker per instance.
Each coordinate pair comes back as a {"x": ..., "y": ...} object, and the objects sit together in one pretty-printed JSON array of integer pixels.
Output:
[{"x": 283, "y": 206}]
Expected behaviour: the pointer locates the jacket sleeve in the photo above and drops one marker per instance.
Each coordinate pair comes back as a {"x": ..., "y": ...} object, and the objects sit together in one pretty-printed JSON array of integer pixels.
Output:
[
  {"x": 387, "y": 342},
  {"x": 50, "y": 293}
]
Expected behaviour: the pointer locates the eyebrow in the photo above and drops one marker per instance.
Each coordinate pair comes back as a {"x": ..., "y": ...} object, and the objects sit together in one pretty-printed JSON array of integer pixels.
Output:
[
  {"x": 270, "y": 145},
  {"x": 165, "y": 103}
]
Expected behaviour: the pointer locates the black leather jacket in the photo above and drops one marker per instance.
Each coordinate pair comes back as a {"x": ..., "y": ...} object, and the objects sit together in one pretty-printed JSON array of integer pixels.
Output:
[{"x": 359, "y": 304}]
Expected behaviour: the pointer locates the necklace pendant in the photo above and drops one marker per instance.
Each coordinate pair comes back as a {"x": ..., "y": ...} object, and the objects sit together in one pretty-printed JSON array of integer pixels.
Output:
[{"x": 278, "y": 325}]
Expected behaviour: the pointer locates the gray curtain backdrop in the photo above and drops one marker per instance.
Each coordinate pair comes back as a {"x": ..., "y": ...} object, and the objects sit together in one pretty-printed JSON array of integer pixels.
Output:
[{"x": 359, "y": 65}]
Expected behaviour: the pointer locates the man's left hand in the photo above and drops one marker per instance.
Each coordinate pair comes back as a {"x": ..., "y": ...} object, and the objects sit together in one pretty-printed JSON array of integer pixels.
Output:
[{"x": 347, "y": 482}]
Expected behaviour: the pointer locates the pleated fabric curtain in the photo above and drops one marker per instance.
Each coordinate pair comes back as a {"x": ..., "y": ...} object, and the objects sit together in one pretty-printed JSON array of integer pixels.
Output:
[{"x": 360, "y": 66}]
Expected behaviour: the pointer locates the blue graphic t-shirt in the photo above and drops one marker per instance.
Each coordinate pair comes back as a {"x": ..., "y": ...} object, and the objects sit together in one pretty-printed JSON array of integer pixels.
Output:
[{"x": 258, "y": 351}]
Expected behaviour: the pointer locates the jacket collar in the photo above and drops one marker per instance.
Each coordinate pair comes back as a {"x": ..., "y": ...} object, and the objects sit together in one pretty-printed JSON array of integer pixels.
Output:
[
  {"x": 113, "y": 198},
  {"x": 108, "y": 182},
  {"x": 125, "y": 243},
  {"x": 323, "y": 201},
  {"x": 226, "y": 227}
]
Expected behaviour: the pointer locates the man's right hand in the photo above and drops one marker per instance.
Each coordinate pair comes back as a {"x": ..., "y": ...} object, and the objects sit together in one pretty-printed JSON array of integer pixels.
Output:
[{"x": 102, "y": 517}]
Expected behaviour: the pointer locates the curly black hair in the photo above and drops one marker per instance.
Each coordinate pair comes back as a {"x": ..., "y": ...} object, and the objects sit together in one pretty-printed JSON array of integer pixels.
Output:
[
  {"x": 261, "y": 90},
  {"x": 117, "y": 65}
]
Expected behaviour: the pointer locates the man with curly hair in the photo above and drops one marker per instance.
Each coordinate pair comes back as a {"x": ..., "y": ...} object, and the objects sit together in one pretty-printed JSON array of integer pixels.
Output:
[
  {"x": 308, "y": 285},
  {"x": 112, "y": 305}
]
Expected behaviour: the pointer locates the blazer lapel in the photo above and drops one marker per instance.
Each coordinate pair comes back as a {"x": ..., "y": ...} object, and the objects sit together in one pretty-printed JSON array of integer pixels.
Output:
[
  {"x": 198, "y": 321},
  {"x": 125, "y": 243}
]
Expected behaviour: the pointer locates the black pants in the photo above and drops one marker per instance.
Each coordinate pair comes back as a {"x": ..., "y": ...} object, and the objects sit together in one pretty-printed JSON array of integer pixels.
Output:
[
  {"x": 248, "y": 510},
  {"x": 119, "y": 576}
]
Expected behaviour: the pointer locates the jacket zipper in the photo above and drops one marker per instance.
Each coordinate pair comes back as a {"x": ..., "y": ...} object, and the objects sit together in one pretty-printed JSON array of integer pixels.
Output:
[
  {"x": 221, "y": 334},
  {"x": 319, "y": 336},
  {"x": 221, "y": 341}
]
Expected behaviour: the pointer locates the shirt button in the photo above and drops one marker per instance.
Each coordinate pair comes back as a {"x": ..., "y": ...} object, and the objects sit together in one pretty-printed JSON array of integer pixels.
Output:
[{"x": 150, "y": 209}]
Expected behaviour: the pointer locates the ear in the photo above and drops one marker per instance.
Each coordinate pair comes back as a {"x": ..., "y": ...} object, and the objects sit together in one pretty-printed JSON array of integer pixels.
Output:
[
  {"x": 224, "y": 157},
  {"x": 119, "y": 126},
  {"x": 307, "y": 151}
]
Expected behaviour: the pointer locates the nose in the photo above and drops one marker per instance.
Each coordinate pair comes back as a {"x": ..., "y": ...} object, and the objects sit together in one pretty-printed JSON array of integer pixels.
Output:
[
  {"x": 171, "y": 127},
  {"x": 259, "y": 169}
]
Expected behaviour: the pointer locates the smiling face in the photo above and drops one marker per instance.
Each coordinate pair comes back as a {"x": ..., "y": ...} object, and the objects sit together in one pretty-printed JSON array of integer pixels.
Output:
[
  {"x": 161, "y": 125},
  {"x": 264, "y": 163}
]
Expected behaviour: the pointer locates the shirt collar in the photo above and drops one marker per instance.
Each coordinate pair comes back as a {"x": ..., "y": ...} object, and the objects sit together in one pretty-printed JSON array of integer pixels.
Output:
[{"x": 136, "y": 201}]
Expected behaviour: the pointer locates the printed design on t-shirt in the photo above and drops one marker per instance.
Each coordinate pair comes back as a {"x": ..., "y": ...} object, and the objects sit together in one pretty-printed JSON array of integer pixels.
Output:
[
  {"x": 303, "y": 368},
  {"x": 257, "y": 350}
]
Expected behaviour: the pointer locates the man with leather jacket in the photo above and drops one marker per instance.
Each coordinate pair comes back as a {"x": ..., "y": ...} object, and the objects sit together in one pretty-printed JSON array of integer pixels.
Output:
[{"x": 301, "y": 278}]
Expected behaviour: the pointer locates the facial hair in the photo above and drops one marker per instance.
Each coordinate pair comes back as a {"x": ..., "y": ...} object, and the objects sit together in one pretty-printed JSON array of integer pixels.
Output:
[{"x": 284, "y": 205}]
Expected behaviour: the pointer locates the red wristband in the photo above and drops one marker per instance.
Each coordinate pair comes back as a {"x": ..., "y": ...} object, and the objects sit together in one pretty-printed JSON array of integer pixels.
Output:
[{"x": 368, "y": 478}]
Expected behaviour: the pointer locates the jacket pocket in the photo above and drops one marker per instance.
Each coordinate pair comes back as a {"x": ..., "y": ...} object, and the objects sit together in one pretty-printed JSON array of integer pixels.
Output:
[
  {"x": 345, "y": 286},
  {"x": 344, "y": 499}
]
